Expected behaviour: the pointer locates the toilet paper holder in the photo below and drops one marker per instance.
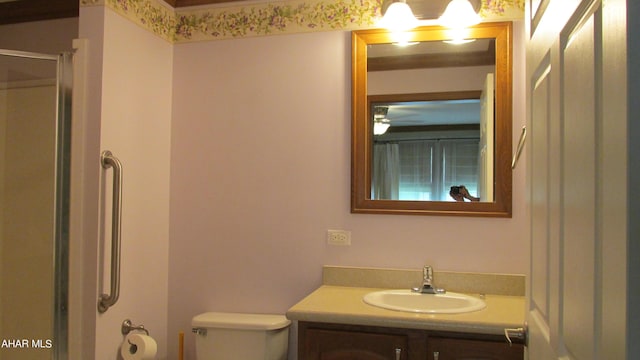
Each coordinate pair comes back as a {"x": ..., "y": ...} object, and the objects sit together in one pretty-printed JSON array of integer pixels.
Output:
[{"x": 127, "y": 327}]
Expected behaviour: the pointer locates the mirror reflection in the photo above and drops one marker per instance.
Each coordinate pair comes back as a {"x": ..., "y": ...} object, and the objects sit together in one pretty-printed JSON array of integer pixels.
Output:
[
  {"x": 432, "y": 146},
  {"x": 432, "y": 122}
]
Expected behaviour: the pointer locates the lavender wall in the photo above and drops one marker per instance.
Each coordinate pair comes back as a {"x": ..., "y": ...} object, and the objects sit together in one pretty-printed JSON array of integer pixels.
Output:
[
  {"x": 129, "y": 95},
  {"x": 260, "y": 169}
]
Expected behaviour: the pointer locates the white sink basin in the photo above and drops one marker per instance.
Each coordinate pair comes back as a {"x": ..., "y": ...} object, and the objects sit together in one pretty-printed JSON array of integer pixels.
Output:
[{"x": 409, "y": 301}]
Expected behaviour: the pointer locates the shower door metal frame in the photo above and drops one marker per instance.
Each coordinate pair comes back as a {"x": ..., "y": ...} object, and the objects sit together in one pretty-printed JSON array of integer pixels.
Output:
[{"x": 64, "y": 82}]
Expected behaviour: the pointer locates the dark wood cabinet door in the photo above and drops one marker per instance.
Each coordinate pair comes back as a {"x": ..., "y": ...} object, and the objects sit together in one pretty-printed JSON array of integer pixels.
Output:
[
  {"x": 349, "y": 345},
  {"x": 462, "y": 349}
]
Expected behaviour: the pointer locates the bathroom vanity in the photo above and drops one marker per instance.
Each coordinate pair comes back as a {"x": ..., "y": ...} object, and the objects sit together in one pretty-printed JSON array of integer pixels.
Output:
[
  {"x": 335, "y": 323},
  {"x": 338, "y": 341}
]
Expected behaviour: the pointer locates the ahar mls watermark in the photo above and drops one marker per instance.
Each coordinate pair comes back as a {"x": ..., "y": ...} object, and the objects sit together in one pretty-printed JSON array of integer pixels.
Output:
[{"x": 26, "y": 344}]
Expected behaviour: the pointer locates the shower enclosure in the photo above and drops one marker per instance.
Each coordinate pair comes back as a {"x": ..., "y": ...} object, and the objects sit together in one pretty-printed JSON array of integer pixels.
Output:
[{"x": 35, "y": 119}]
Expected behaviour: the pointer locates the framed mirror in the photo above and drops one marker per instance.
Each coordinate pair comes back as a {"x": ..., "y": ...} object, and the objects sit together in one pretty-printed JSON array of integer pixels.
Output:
[{"x": 431, "y": 121}]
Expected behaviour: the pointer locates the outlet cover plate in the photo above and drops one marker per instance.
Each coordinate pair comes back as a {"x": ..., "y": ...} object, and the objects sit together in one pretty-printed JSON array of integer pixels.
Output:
[{"x": 339, "y": 237}]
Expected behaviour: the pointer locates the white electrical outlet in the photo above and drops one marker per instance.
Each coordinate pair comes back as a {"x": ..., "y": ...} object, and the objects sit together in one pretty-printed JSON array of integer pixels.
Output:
[{"x": 339, "y": 237}]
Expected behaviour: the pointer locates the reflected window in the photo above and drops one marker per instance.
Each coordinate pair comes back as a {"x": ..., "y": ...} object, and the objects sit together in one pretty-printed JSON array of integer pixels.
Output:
[{"x": 424, "y": 169}]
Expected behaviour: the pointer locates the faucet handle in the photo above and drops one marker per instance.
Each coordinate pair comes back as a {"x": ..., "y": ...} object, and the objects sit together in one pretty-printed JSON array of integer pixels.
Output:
[
  {"x": 427, "y": 273},
  {"x": 427, "y": 283}
]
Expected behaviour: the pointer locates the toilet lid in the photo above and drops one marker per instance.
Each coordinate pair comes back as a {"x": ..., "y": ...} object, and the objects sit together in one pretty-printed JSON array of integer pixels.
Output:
[{"x": 240, "y": 321}]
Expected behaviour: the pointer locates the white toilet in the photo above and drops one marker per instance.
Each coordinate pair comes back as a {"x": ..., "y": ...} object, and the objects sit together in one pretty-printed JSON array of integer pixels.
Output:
[{"x": 232, "y": 336}]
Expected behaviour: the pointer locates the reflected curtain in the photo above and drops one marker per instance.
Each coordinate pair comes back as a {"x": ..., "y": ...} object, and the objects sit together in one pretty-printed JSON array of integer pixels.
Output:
[
  {"x": 418, "y": 170},
  {"x": 460, "y": 165},
  {"x": 386, "y": 172}
]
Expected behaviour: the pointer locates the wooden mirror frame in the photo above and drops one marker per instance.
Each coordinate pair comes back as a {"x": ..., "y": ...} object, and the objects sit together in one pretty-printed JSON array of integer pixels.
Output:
[{"x": 362, "y": 138}]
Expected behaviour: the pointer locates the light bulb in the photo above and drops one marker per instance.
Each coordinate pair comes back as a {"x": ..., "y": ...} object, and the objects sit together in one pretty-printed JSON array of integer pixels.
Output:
[
  {"x": 459, "y": 14},
  {"x": 398, "y": 17}
]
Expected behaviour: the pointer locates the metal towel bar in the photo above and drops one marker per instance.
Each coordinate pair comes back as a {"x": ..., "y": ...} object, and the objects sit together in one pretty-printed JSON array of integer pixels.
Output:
[
  {"x": 516, "y": 156},
  {"x": 107, "y": 300}
]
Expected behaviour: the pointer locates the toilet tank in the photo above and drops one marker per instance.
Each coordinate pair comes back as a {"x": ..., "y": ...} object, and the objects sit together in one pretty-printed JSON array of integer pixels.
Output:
[{"x": 224, "y": 336}]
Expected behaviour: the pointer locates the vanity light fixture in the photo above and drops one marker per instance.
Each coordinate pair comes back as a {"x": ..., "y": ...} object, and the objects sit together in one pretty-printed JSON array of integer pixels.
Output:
[
  {"x": 459, "y": 14},
  {"x": 398, "y": 17}
]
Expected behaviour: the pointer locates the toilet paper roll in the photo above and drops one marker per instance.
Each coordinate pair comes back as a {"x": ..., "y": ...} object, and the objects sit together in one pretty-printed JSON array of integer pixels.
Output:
[{"x": 138, "y": 347}]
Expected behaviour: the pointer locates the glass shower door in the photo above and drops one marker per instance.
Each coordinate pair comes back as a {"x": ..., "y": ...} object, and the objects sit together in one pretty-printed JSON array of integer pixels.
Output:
[{"x": 34, "y": 147}]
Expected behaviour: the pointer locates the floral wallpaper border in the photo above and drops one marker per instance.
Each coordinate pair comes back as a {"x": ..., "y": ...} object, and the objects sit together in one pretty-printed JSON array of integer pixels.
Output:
[{"x": 284, "y": 17}]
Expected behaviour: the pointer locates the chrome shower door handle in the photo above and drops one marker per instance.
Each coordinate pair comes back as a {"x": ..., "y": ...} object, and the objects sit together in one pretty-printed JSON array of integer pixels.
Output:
[{"x": 109, "y": 161}]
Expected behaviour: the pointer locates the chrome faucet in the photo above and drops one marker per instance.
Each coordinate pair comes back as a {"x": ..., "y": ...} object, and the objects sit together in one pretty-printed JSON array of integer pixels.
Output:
[{"x": 427, "y": 282}]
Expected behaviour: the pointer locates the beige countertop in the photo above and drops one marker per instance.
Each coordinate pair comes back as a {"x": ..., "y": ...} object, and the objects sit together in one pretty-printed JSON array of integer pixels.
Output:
[{"x": 344, "y": 305}]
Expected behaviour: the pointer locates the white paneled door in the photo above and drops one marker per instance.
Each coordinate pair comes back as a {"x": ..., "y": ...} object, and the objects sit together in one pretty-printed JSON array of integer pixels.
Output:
[{"x": 576, "y": 95}]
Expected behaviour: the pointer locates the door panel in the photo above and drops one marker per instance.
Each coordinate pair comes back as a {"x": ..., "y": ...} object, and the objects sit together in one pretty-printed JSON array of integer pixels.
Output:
[
  {"x": 540, "y": 192},
  {"x": 579, "y": 188},
  {"x": 545, "y": 204},
  {"x": 572, "y": 117}
]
